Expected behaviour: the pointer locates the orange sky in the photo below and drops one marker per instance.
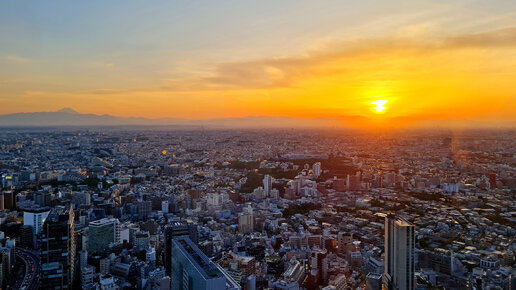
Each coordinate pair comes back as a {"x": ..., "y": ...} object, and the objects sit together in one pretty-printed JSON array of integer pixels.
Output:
[{"x": 424, "y": 73}]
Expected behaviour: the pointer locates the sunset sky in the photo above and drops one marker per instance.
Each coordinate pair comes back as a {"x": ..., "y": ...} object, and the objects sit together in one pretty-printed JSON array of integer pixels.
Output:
[{"x": 429, "y": 60}]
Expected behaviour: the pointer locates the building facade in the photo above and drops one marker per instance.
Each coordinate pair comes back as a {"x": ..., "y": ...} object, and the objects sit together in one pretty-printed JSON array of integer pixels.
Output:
[
  {"x": 57, "y": 250},
  {"x": 399, "y": 254},
  {"x": 191, "y": 269},
  {"x": 103, "y": 233}
]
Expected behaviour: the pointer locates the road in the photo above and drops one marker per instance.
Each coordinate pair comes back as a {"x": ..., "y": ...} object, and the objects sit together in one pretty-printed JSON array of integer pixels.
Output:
[{"x": 32, "y": 270}]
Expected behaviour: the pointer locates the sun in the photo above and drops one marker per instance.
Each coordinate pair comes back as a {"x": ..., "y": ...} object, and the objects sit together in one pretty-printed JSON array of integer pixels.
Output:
[{"x": 380, "y": 105}]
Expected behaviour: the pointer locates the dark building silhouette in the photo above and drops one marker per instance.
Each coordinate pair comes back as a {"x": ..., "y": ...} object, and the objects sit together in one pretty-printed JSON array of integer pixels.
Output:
[
  {"x": 177, "y": 229},
  {"x": 57, "y": 255}
]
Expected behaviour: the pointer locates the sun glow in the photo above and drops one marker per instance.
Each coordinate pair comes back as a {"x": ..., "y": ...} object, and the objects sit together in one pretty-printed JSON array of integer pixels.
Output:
[{"x": 380, "y": 105}]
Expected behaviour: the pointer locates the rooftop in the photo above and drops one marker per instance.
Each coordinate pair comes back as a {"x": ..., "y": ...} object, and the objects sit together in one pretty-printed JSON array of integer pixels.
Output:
[
  {"x": 374, "y": 276},
  {"x": 200, "y": 260}
]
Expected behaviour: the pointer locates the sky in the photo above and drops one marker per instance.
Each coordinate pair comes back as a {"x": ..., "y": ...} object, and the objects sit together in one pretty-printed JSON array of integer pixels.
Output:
[{"x": 430, "y": 60}]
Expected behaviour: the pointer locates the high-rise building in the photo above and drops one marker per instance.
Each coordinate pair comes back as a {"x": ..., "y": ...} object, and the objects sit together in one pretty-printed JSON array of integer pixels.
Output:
[
  {"x": 103, "y": 233},
  {"x": 9, "y": 199},
  {"x": 7, "y": 260},
  {"x": 57, "y": 250},
  {"x": 177, "y": 229},
  {"x": 353, "y": 182},
  {"x": 316, "y": 168},
  {"x": 512, "y": 281},
  {"x": 246, "y": 220},
  {"x": 399, "y": 254},
  {"x": 492, "y": 180},
  {"x": 35, "y": 217},
  {"x": 267, "y": 184},
  {"x": 191, "y": 269},
  {"x": 27, "y": 238}
]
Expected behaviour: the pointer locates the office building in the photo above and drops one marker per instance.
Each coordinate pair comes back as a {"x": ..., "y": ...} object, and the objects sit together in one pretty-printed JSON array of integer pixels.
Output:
[
  {"x": 103, "y": 233},
  {"x": 267, "y": 184},
  {"x": 316, "y": 168},
  {"x": 177, "y": 229},
  {"x": 374, "y": 281},
  {"x": 9, "y": 200},
  {"x": 43, "y": 198},
  {"x": 191, "y": 269},
  {"x": 141, "y": 239},
  {"x": 512, "y": 281},
  {"x": 57, "y": 250},
  {"x": 246, "y": 220},
  {"x": 7, "y": 260},
  {"x": 399, "y": 254},
  {"x": 35, "y": 217}
]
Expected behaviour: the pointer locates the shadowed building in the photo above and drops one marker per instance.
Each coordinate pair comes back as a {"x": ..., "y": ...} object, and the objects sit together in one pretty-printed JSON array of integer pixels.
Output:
[
  {"x": 58, "y": 250},
  {"x": 103, "y": 233},
  {"x": 191, "y": 269}
]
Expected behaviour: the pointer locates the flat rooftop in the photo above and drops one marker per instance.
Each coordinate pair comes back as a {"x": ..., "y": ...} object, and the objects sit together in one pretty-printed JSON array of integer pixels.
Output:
[
  {"x": 198, "y": 258},
  {"x": 374, "y": 276}
]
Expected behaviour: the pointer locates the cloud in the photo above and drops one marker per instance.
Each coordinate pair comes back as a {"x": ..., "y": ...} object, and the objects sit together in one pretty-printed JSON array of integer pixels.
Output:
[
  {"x": 505, "y": 37},
  {"x": 333, "y": 59},
  {"x": 16, "y": 59},
  {"x": 107, "y": 91},
  {"x": 101, "y": 64},
  {"x": 460, "y": 76}
]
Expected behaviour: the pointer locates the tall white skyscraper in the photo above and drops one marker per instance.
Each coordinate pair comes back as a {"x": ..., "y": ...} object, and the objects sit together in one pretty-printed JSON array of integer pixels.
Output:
[
  {"x": 267, "y": 184},
  {"x": 399, "y": 254}
]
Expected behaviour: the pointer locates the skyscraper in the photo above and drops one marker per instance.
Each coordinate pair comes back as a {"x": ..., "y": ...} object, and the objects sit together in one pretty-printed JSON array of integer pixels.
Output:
[
  {"x": 58, "y": 250},
  {"x": 177, "y": 228},
  {"x": 399, "y": 254},
  {"x": 316, "y": 168},
  {"x": 267, "y": 184},
  {"x": 35, "y": 217},
  {"x": 191, "y": 269}
]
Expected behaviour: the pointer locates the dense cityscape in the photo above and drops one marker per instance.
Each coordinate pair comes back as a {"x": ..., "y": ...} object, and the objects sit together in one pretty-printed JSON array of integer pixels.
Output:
[{"x": 160, "y": 208}]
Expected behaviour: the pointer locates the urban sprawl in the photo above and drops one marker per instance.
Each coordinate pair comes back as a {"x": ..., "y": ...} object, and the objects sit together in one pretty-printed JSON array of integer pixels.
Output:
[{"x": 156, "y": 208}]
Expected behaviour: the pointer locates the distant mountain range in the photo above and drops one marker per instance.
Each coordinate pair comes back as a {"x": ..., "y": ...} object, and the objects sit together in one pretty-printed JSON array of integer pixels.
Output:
[{"x": 70, "y": 117}]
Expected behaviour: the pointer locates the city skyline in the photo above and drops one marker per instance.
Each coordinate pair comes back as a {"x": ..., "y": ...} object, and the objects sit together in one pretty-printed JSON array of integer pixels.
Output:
[
  {"x": 431, "y": 61},
  {"x": 243, "y": 145}
]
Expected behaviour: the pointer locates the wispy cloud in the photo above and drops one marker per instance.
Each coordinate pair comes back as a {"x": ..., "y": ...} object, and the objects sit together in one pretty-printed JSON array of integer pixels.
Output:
[
  {"x": 338, "y": 58},
  {"x": 16, "y": 59},
  {"x": 505, "y": 37},
  {"x": 422, "y": 76}
]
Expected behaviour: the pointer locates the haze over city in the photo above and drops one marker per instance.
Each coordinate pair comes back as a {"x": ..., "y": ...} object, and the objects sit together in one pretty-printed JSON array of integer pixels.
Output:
[{"x": 243, "y": 145}]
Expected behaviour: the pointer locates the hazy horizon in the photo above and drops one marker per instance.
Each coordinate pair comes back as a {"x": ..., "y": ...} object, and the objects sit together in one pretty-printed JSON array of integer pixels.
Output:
[
  {"x": 68, "y": 117},
  {"x": 426, "y": 61}
]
